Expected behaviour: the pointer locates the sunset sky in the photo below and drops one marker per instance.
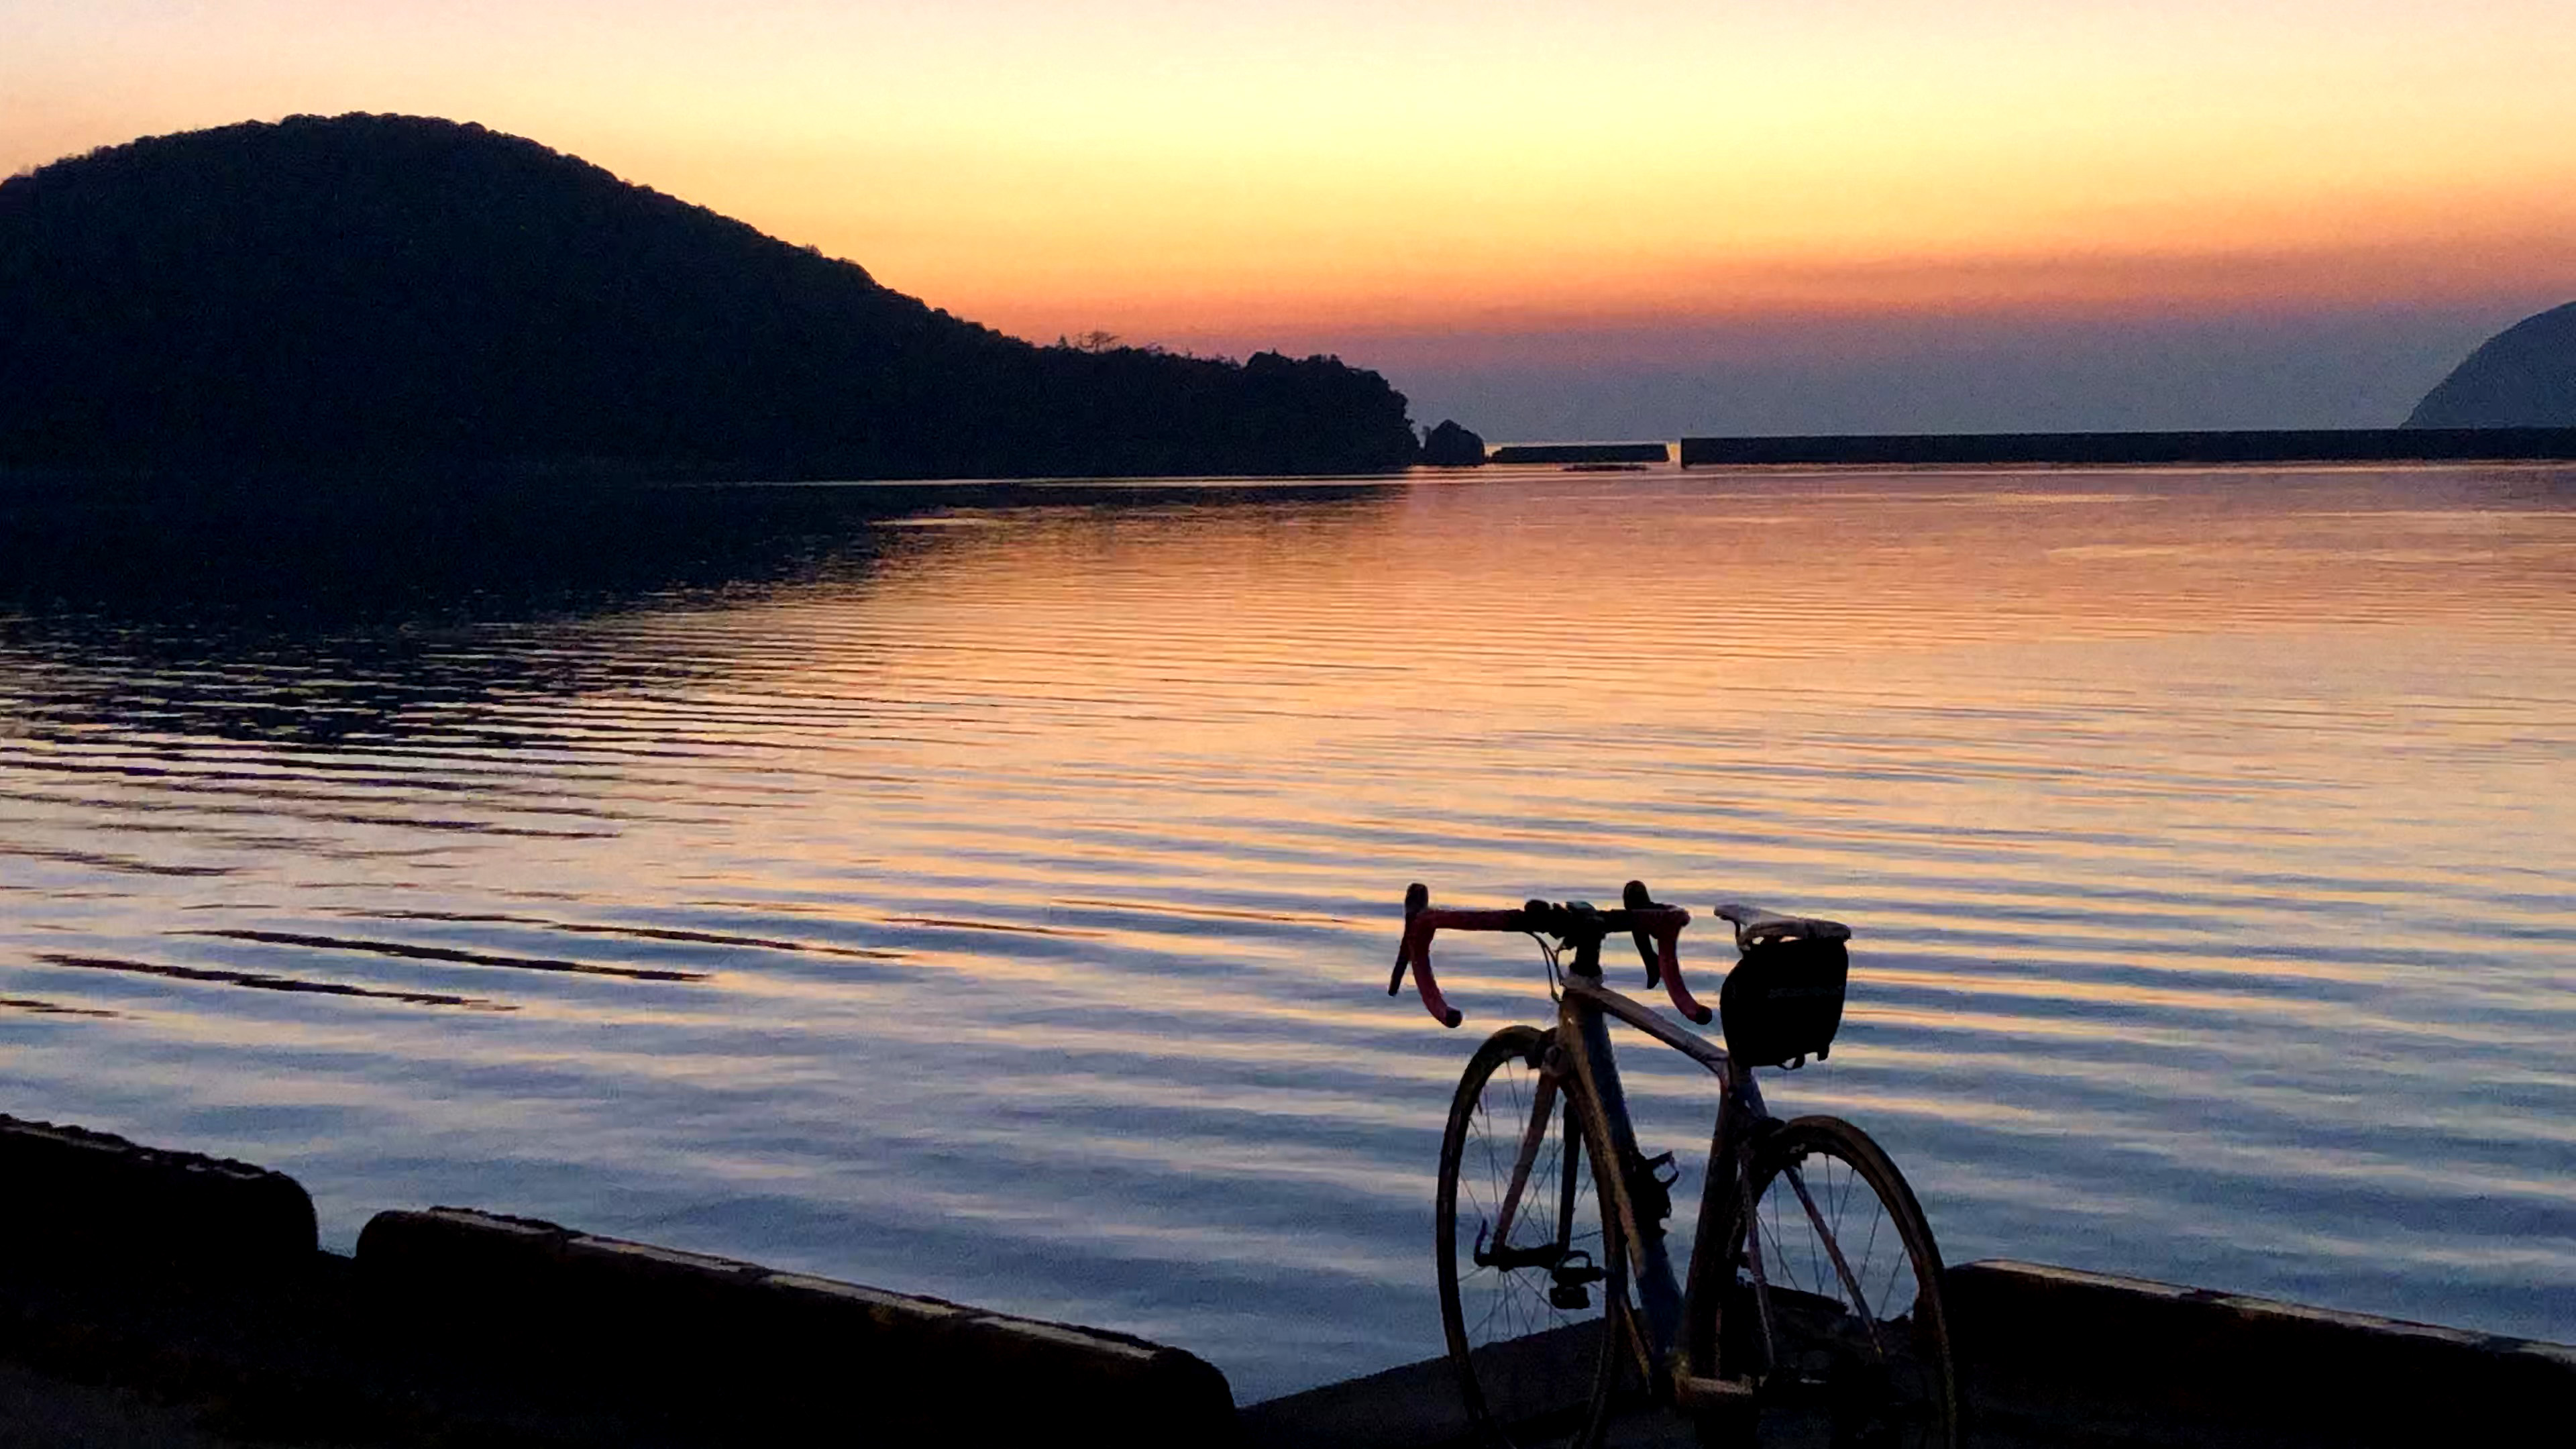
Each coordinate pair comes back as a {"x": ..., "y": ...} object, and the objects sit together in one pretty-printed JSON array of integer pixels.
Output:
[{"x": 1549, "y": 217}]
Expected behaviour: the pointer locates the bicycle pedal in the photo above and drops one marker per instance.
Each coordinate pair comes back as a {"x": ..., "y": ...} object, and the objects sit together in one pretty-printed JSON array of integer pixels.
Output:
[{"x": 1693, "y": 1392}]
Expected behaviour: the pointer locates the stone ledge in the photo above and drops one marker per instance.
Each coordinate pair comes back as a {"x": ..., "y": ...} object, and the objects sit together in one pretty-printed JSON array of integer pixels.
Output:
[
  {"x": 84, "y": 1195},
  {"x": 710, "y": 1334},
  {"x": 2149, "y": 1362},
  {"x": 2051, "y": 1358}
]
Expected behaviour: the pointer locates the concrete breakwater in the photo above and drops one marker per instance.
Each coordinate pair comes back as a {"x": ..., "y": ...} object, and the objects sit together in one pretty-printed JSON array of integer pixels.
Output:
[
  {"x": 1578, "y": 453},
  {"x": 2136, "y": 449},
  {"x": 198, "y": 1282}
]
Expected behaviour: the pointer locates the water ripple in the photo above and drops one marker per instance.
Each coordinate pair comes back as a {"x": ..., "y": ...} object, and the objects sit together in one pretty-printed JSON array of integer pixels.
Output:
[{"x": 987, "y": 891}]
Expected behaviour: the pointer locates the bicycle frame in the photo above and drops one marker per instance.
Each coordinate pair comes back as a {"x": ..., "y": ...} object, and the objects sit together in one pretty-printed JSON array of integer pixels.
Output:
[{"x": 1584, "y": 1008}]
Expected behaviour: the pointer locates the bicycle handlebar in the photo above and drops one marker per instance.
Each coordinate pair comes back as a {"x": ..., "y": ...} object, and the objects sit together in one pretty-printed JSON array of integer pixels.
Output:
[
  {"x": 1416, "y": 952},
  {"x": 1639, "y": 915}
]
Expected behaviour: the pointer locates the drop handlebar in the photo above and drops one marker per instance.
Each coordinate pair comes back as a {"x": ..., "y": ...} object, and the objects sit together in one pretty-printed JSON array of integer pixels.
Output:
[{"x": 1656, "y": 928}]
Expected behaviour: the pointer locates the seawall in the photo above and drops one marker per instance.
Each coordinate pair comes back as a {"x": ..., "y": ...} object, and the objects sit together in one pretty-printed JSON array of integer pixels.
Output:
[
  {"x": 1577, "y": 453},
  {"x": 2142, "y": 449}
]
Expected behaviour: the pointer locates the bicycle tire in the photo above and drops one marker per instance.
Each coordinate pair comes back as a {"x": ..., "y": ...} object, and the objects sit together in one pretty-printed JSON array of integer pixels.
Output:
[
  {"x": 1888, "y": 1382},
  {"x": 1532, "y": 1372}
]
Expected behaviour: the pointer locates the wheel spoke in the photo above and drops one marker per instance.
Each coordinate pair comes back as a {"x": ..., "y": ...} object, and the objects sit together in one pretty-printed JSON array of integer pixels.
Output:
[
  {"x": 1520, "y": 1352},
  {"x": 1850, "y": 1260},
  {"x": 1833, "y": 1250}
]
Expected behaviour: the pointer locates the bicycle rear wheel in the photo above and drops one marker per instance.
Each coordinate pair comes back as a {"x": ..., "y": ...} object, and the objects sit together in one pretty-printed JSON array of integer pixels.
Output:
[
  {"x": 1857, "y": 1348},
  {"x": 1536, "y": 1317}
]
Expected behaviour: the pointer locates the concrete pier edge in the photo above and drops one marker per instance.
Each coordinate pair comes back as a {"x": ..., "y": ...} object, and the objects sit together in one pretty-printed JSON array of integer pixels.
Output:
[
  {"x": 196, "y": 1280},
  {"x": 2132, "y": 1357},
  {"x": 165, "y": 1258},
  {"x": 2051, "y": 1355},
  {"x": 68, "y": 1190},
  {"x": 645, "y": 1318}
]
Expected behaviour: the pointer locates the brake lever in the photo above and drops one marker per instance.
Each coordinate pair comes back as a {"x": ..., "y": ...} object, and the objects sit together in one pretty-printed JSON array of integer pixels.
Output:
[
  {"x": 1416, "y": 896},
  {"x": 1663, "y": 957},
  {"x": 1634, "y": 897}
]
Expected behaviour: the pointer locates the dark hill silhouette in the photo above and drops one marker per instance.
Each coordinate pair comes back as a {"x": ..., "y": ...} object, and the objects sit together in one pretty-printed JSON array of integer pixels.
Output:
[
  {"x": 405, "y": 290},
  {"x": 2523, "y": 377}
]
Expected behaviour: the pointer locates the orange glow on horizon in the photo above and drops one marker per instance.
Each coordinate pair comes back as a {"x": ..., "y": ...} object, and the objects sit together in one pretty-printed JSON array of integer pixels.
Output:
[{"x": 1168, "y": 170}]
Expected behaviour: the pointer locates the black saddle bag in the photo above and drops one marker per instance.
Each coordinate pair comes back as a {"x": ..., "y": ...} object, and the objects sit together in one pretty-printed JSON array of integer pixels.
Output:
[{"x": 1784, "y": 999}]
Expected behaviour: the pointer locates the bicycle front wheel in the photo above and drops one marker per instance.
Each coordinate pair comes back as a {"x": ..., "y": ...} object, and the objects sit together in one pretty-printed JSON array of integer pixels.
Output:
[
  {"x": 1535, "y": 1308},
  {"x": 1849, "y": 1344}
]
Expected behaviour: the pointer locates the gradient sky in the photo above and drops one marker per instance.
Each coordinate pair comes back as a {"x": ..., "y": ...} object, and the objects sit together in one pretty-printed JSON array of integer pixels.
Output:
[{"x": 1624, "y": 216}]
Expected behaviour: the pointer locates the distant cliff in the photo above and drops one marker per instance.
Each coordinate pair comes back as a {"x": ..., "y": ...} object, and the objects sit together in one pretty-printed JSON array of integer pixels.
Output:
[
  {"x": 2523, "y": 377},
  {"x": 403, "y": 290}
]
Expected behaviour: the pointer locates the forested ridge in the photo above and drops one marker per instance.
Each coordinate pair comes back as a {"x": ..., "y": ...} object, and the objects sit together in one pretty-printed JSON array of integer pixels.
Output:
[{"x": 405, "y": 290}]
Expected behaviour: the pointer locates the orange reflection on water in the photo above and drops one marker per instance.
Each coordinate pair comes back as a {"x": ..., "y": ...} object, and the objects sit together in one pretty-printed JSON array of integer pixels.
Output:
[{"x": 1036, "y": 862}]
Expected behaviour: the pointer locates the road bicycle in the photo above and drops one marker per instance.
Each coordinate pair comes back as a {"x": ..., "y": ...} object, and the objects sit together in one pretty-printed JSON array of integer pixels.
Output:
[{"x": 1812, "y": 1310}]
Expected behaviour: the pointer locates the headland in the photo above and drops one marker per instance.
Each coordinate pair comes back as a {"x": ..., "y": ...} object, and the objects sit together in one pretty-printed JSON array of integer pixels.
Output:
[{"x": 394, "y": 292}]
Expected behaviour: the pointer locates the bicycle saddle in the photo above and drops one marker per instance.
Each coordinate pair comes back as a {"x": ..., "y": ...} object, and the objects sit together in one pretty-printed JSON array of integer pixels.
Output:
[{"x": 1755, "y": 926}]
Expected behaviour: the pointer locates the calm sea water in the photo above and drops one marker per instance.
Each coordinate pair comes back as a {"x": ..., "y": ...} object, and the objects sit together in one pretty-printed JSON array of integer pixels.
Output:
[{"x": 989, "y": 891}]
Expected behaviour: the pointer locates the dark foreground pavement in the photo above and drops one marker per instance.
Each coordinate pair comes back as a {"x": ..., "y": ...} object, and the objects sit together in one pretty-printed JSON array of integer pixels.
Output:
[{"x": 39, "y": 1411}]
